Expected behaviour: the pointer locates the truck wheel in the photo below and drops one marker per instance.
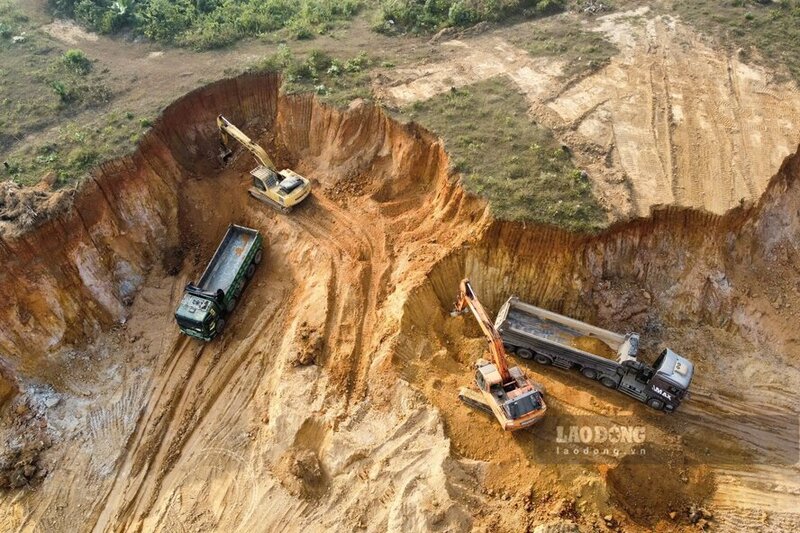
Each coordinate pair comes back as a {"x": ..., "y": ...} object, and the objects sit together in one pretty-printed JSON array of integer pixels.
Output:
[
  {"x": 655, "y": 403},
  {"x": 590, "y": 373},
  {"x": 251, "y": 270},
  {"x": 257, "y": 258},
  {"x": 231, "y": 305},
  {"x": 542, "y": 359},
  {"x": 525, "y": 353},
  {"x": 509, "y": 348},
  {"x": 220, "y": 325},
  {"x": 608, "y": 382}
]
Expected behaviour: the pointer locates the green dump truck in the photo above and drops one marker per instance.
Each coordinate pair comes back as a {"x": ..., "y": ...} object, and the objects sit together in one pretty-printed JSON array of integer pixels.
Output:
[{"x": 205, "y": 306}]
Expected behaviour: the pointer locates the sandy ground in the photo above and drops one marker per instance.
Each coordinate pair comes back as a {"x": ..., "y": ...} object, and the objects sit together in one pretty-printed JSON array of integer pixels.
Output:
[
  {"x": 670, "y": 121},
  {"x": 329, "y": 403}
]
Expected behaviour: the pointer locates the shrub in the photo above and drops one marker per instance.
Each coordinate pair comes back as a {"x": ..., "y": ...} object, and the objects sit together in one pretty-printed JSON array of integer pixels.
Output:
[
  {"x": 77, "y": 61},
  {"x": 206, "y": 24},
  {"x": 65, "y": 94},
  {"x": 164, "y": 20},
  {"x": 396, "y": 16}
]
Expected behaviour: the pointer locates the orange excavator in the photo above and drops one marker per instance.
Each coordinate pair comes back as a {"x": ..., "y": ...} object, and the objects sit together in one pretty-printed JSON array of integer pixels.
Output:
[{"x": 506, "y": 392}]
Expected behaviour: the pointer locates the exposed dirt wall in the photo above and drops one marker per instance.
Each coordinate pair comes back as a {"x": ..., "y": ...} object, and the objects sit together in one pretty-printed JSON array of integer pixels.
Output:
[
  {"x": 74, "y": 272},
  {"x": 358, "y": 281}
]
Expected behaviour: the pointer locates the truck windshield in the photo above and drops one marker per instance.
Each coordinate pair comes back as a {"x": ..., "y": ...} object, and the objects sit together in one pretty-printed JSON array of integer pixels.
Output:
[
  {"x": 188, "y": 324},
  {"x": 523, "y": 405}
]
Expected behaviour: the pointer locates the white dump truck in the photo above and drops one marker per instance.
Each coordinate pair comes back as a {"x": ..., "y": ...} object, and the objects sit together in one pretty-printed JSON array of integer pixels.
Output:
[{"x": 611, "y": 358}]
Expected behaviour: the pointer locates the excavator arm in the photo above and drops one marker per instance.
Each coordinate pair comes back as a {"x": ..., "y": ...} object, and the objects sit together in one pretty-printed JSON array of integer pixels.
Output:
[
  {"x": 227, "y": 130},
  {"x": 468, "y": 300}
]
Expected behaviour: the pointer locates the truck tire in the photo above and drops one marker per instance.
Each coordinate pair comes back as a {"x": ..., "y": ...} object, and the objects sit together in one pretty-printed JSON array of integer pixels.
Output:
[
  {"x": 655, "y": 403},
  {"x": 251, "y": 270},
  {"x": 509, "y": 348},
  {"x": 590, "y": 373},
  {"x": 525, "y": 353},
  {"x": 542, "y": 359},
  {"x": 608, "y": 382},
  {"x": 257, "y": 258},
  {"x": 220, "y": 325},
  {"x": 231, "y": 305}
]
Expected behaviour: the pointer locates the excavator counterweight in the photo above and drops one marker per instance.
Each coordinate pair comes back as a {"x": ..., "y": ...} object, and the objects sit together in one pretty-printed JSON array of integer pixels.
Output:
[
  {"x": 503, "y": 390},
  {"x": 280, "y": 190}
]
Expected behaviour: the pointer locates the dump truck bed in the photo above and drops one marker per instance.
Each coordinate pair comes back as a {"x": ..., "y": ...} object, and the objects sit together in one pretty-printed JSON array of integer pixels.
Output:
[
  {"x": 228, "y": 258},
  {"x": 532, "y": 321}
]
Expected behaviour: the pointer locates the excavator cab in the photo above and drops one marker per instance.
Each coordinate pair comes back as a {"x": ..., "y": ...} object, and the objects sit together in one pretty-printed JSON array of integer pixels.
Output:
[{"x": 502, "y": 390}]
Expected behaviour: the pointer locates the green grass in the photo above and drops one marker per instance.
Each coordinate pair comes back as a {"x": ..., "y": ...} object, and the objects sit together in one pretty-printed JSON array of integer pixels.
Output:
[
  {"x": 583, "y": 51},
  {"x": 336, "y": 81},
  {"x": 72, "y": 151},
  {"x": 507, "y": 158},
  {"x": 771, "y": 29},
  {"x": 414, "y": 16},
  {"x": 41, "y": 86},
  {"x": 206, "y": 24}
]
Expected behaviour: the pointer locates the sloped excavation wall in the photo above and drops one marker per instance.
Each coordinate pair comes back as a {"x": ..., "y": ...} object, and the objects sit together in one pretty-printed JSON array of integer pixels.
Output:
[{"x": 359, "y": 280}]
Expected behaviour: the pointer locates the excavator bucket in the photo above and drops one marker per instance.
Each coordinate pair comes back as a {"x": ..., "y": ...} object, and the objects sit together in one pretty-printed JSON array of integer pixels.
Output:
[{"x": 224, "y": 155}]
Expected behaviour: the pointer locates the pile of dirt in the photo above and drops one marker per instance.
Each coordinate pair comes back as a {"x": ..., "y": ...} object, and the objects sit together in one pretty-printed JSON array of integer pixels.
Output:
[
  {"x": 300, "y": 472},
  {"x": 593, "y": 345},
  {"x": 309, "y": 345},
  {"x": 25, "y": 437},
  {"x": 22, "y": 208}
]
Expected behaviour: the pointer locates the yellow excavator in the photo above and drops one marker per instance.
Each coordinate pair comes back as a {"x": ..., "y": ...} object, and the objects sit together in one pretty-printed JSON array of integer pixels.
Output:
[
  {"x": 280, "y": 190},
  {"x": 506, "y": 392}
]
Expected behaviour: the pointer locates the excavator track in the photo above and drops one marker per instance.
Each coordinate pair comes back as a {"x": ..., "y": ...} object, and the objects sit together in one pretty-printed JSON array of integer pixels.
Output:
[
  {"x": 272, "y": 203},
  {"x": 474, "y": 399}
]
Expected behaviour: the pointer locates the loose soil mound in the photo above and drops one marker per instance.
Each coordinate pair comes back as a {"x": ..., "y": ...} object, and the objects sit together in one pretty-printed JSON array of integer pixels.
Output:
[{"x": 681, "y": 482}]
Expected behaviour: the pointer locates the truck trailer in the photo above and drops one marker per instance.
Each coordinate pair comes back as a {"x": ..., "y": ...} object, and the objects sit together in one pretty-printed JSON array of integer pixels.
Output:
[
  {"x": 206, "y": 305},
  {"x": 611, "y": 358}
]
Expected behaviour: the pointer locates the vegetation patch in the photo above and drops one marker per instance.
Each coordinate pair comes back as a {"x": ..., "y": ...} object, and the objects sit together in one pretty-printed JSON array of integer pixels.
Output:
[
  {"x": 72, "y": 151},
  {"x": 42, "y": 85},
  {"x": 507, "y": 158},
  {"x": 205, "y": 24},
  {"x": 772, "y": 28},
  {"x": 567, "y": 39},
  {"x": 337, "y": 81},
  {"x": 402, "y": 16}
]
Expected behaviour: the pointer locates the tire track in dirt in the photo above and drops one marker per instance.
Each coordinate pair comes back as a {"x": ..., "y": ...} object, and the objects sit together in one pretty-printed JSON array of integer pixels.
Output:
[
  {"x": 687, "y": 125},
  {"x": 192, "y": 404},
  {"x": 353, "y": 237}
]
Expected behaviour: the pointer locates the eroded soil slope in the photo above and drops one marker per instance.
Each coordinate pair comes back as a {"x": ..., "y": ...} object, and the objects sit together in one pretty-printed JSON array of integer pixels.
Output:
[{"x": 329, "y": 403}]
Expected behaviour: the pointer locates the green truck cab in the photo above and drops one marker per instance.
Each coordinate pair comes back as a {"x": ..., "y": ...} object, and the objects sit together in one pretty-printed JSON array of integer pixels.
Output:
[{"x": 206, "y": 305}]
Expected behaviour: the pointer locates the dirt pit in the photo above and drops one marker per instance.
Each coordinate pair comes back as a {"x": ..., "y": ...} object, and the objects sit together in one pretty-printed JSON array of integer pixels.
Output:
[
  {"x": 683, "y": 484},
  {"x": 330, "y": 400}
]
